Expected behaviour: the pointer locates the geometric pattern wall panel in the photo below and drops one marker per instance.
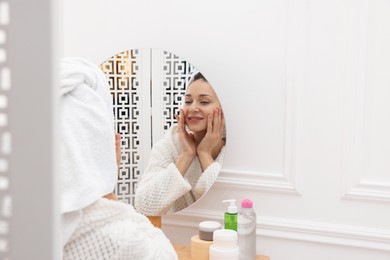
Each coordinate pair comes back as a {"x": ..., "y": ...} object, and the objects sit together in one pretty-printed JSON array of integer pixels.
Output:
[
  {"x": 169, "y": 82},
  {"x": 5, "y": 136},
  {"x": 176, "y": 73},
  {"x": 124, "y": 77},
  {"x": 146, "y": 87}
]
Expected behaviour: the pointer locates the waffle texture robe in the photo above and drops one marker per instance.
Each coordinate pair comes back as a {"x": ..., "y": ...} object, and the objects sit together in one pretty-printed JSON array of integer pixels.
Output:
[{"x": 162, "y": 188}]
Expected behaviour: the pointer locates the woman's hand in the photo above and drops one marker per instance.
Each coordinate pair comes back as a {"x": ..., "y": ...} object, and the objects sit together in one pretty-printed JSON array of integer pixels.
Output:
[
  {"x": 211, "y": 144},
  {"x": 215, "y": 126},
  {"x": 186, "y": 140},
  {"x": 187, "y": 145}
]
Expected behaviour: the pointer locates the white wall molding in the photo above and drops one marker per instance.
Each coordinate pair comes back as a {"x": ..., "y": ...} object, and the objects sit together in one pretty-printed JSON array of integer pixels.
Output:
[
  {"x": 259, "y": 181},
  {"x": 326, "y": 233},
  {"x": 356, "y": 106},
  {"x": 293, "y": 229},
  {"x": 366, "y": 190},
  {"x": 296, "y": 55}
]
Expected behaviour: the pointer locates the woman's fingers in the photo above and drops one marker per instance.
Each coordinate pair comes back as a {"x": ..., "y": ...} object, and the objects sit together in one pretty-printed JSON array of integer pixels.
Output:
[
  {"x": 222, "y": 126},
  {"x": 217, "y": 121},
  {"x": 177, "y": 117},
  {"x": 180, "y": 119}
]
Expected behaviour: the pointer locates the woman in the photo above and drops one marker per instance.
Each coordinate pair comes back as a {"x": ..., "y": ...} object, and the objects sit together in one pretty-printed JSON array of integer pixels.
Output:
[
  {"x": 94, "y": 227},
  {"x": 185, "y": 164}
]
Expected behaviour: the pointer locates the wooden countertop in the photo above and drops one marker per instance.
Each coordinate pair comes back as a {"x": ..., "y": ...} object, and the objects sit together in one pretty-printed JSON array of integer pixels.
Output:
[{"x": 184, "y": 253}]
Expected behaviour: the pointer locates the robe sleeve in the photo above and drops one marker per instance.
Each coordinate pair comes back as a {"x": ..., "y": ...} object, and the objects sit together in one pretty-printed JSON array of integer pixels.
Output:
[
  {"x": 206, "y": 180},
  {"x": 209, "y": 176},
  {"x": 161, "y": 183}
]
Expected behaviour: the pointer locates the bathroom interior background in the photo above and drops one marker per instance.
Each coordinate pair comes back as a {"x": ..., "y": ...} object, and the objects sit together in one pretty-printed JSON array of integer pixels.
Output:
[{"x": 304, "y": 87}]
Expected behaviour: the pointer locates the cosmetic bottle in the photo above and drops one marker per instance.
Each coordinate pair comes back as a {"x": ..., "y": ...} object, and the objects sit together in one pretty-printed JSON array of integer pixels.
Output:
[
  {"x": 247, "y": 230},
  {"x": 230, "y": 217},
  {"x": 224, "y": 245}
]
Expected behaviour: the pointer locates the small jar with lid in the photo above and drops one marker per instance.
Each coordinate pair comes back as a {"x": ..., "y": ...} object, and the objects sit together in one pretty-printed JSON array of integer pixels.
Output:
[
  {"x": 207, "y": 228},
  {"x": 224, "y": 245},
  {"x": 200, "y": 243}
]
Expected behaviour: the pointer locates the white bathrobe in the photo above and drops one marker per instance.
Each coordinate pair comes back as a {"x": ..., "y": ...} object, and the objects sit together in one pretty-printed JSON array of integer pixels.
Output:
[
  {"x": 111, "y": 230},
  {"x": 94, "y": 227},
  {"x": 162, "y": 188}
]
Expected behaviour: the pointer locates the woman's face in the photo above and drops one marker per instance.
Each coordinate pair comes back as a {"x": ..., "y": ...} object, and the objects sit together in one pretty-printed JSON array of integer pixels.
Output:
[{"x": 200, "y": 101}]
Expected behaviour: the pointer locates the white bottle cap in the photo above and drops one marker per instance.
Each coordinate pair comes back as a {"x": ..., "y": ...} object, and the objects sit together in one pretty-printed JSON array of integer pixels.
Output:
[
  {"x": 206, "y": 229},
  {"x": 209, "y": 226},
  {"x": 232, "y": 208},
  {"x": 225, "y": 238}
]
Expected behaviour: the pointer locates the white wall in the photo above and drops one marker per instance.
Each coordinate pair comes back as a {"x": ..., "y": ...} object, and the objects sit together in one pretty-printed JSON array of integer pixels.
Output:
[{"x": 305, "y": 87}]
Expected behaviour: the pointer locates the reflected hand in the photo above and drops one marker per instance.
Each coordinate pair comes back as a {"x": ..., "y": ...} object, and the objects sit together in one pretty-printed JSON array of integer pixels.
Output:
[
  {"x": 211, "y": 142},
  {"x": 186, "y": 140},
  {"x": 187, "y": 145}
]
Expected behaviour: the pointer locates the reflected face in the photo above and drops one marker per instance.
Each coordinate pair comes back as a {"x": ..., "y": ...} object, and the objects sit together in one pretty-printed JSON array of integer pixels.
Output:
[
  {"x": 131, "y": 93},
  {"x": 200, "y": 101}
]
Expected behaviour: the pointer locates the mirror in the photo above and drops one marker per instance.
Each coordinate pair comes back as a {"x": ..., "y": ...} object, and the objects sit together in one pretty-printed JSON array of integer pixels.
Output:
[{"x": 149, "y": 87}]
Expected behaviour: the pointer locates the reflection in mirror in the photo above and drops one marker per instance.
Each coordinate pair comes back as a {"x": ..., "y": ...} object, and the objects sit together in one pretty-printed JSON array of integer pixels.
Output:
[{"x": 172, "y": 130}]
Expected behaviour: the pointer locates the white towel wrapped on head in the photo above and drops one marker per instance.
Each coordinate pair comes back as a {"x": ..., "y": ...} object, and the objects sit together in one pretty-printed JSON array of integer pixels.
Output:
[
  {"x": 88, "y": 167},
  {"x": 94, "y": 227}
]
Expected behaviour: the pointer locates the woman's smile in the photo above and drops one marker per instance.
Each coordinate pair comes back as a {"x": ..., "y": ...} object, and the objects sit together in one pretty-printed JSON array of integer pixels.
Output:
[{"x": 194, "y": 119}]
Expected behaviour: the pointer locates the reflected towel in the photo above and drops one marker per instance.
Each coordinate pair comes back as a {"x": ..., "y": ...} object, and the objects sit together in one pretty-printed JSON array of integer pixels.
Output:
[{"x": 87, "y": 164}]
